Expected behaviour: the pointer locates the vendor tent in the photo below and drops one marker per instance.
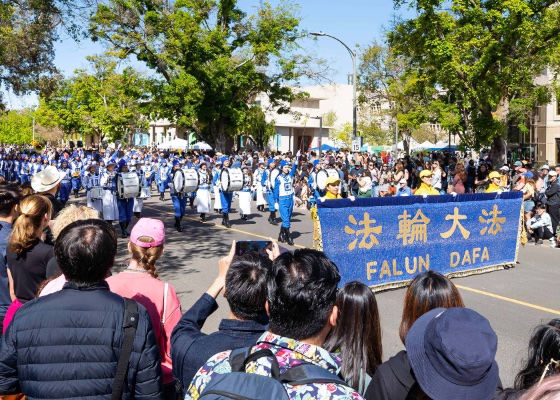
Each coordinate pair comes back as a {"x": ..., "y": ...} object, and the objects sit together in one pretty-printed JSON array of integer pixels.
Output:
[
  {"x": 325, "y": 147},
  {"x": 201, "y": 146},
  {"x": 175, "y": 144}
]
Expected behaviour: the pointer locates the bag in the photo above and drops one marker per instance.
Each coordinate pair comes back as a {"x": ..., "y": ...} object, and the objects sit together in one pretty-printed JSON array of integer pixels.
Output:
[
  {"x": 539, "y": 197},
  {"x": 240, "y": 384},
  {"x": 162, "y": 342}
]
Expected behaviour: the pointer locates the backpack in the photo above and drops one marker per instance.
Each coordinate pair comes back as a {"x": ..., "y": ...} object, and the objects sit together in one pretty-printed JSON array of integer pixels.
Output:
[{"x": 242, "y": 385}]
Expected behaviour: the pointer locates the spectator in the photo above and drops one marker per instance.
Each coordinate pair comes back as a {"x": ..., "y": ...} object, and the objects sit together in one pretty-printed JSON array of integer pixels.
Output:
[
  {"x": 357, "y": 335},
  {"x": 47, "y": 183},
  {"x": 301, "y": 300},
  {"x": 495, "y": 180},
  {"x": 549, "y": 389},
  {"x": 87, "y": 321},
  {"x": 540, "y": 226},
  {"x": 482, "y": 181},
  {"x": 140, "y": 282},
  {"x": 459, "y": 180},
  {"x": 27, "y": 255},
  {"x": 403, "y": 189},
  {"x": 528, "y": 195},
  {"x": 365, "y": 184},
  {"x": 393, "y": 379},
  {"x": 437, "y": 176},
  {"x": 553, "y": 202},
  {"x": 353, "y": 175},
  {"x": 542, "y": 360},
  {"x": 451, "y": 352},
  {"x": 245, "y": 291},
  {"x": 26, "y": 189},
  {"x": 9, "y": 211},
  {"x": 426, "y": 185}
]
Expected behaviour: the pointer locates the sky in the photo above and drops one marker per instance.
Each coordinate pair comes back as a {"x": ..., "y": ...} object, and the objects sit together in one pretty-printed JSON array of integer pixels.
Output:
[{"x": 355, "y": 22}]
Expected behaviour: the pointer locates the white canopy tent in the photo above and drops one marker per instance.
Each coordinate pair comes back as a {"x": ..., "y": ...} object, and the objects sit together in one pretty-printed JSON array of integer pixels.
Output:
[
  {"x": 174, "y": 144},
  {"x": 424, "y": 145},
  {"x": 201, "y": 146}
]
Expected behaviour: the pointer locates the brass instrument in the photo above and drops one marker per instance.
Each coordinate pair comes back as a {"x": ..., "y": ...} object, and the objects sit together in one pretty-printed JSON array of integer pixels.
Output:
[
  {"x": 38, "y": 146},
  {"x": 76, "y": 174}
]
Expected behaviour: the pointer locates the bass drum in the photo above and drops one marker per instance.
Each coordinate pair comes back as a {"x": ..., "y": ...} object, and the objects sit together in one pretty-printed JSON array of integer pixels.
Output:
[
  {"x": 322, "y": 176},
  {"x": 178, "y": 182},
  {"x": 231, "y": 179},
  {"x": 191, "y": 180},
  {"x": 128, "y": 185},
  {"x": 272, "y": 177}
]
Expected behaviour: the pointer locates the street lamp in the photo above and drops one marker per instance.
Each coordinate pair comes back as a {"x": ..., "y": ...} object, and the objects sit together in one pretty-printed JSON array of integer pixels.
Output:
[{"x": 353, "y": 55}]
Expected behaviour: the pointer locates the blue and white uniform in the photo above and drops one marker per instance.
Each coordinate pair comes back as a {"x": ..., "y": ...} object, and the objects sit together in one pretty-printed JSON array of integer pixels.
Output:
[
  {"x": 138, "y": 201},
  {"x": 245, "y": 194},
  {"x": 76, "y": 166},
  {"x": 24, "y": 170},
  {"x": 204, "y": 199},
  {"x": 216, "y": 186},
  {"x": 258, "y": 186},
  {"x": 92, "y": 179},
  {"x": 109, "y": 185},
  {"x": 65, "y": 183},
  {"x": 162, "y": 175}
]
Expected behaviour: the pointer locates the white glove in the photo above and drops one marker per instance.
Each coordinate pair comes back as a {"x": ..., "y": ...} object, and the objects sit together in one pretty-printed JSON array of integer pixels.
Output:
[
  {"x": 425, "y": 196},
  {"x": 500, "y": 191},
  {"x": 353, "y": 198},
  {"x": 454, "y": 194}
]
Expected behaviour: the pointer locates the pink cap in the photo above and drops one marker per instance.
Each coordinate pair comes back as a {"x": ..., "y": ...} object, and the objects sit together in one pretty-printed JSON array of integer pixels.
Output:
[{"x": 148, "y": 227}]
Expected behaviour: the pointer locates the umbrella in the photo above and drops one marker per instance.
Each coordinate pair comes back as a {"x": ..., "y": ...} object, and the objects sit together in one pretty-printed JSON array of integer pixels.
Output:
[
  {"x": 173, "y": 144},
  {"x": 325, "y": 147},
  {"x": 201, "y": 146}
]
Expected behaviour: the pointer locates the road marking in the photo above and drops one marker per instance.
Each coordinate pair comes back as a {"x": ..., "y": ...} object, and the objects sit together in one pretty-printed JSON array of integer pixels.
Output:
[
  {"x": 497, "y": 296},
  {"x": 223, "y": 227}
]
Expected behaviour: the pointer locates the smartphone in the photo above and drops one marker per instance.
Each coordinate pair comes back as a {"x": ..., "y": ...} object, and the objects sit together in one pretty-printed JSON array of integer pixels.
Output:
[{"x": 244, "y": 246}]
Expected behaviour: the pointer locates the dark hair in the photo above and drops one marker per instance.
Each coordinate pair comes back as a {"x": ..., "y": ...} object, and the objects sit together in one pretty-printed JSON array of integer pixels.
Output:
[
  {"x": 357, "y": 334},
  {"x": 427, "y": 291},
  {"x": 9, "y": 197},
  {"x": 301, "y": 293},
  {"x": 544, "y": 345},
  {"x": 245, "y": 288},
  {"x": 85, "y": 251}
]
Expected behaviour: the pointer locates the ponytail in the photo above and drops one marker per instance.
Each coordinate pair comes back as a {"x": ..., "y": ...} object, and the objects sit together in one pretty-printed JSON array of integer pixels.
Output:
[
  {"x": 146, "y": 257},
  {"x": 33, "y": 209}
]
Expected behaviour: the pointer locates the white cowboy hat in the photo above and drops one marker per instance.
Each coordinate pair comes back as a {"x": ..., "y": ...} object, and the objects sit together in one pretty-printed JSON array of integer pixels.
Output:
[{"x": 46, "y": 179}]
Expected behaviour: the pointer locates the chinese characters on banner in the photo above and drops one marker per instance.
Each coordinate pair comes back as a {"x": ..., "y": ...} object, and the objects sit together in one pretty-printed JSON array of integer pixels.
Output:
[{"x": 387, "y": 240}]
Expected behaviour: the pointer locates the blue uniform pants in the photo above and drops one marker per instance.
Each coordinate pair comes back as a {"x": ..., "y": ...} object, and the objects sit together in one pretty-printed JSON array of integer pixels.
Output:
[
  {"x": 65, "y": 188},
  {"x": 24, "y": 178},
  {"x": 270, "y": 200},
  {"x": 226, "y": 198},
  {"x": 179, "y": 205},
  {"x": 76, "y": 183},
  {"x": 148, "y": 181},
  {"x": 286, "y": 207},
  {"x": 125, "y": 209},
  {"x": 162, "y": 185}
]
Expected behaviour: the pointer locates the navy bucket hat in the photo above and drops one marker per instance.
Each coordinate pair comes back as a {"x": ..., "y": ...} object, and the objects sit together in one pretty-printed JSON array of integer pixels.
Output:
[{"x": 452, "y": 353}]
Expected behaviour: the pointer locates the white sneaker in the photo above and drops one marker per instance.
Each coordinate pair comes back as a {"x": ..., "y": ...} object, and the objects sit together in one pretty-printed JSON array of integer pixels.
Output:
[{"x": 553, "y": 244}]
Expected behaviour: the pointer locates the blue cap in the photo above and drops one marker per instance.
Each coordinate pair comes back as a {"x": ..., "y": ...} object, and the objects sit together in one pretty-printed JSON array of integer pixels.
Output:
[
  {"x": 122, "y": 163},
  {"x": 285, "y": 163},
  {"x": 53, "y": 161},
  {"x": 315, "y": 163},
  {"x": 75, "y": 154},
  {"x": 224, "y": 158},
  {"x": 175, "y": 162},
  {"x": 271, "y": 160},
  {"x": 528, "y": 175}
]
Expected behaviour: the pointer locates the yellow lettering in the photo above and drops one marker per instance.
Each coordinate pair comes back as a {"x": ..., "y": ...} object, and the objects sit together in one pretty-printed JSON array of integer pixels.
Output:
[
  {"x": 424, "y": 263},
  {"x": 410, "y": 270},
  {"x": 370, "y": 270},
  {"x": 454, "y": 259},
  {"x": 385, "y": 270},
  {"x": 396, "y": 272},
  {"x": 475, "y": 254},
  {"x": 466, "y": 258},
  {"x": 485, "y": 255}
]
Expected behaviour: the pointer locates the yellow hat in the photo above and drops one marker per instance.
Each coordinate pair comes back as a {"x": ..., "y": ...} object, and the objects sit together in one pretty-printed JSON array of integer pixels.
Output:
[
  {"x": 494, "y": 174},
  {"x": 331, "y": 180},
  {"x": 425, "y": 173}
]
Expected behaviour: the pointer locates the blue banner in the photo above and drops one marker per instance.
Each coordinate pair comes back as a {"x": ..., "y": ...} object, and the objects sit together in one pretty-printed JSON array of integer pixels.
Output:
[{"x": 382, "y": 241}]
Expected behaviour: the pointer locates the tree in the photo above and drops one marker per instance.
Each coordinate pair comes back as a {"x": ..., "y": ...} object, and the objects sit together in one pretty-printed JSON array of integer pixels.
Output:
[
  {"x": 485, "y": 55},
  {"x": 212, "y": 59},
  {"x": 257, "y": 128},
  {"x": 16, "y": 127}
]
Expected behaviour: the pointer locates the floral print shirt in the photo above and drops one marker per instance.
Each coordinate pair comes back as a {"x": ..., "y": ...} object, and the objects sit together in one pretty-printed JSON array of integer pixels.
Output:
[{"x": 289, "y": 353}]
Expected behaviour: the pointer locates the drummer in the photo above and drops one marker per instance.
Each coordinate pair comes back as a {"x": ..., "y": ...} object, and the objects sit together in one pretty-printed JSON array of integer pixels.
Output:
[
  {"x": 124, "y": 205},
  {"x": 203, "y": 193},
  {"x": 186, "y": 165},
  {"x": 179, "y": 200},
  {"x": 162, "y": 175},
  {"x": 92, "y": 179},
  {"x": 269, "y": 190},
  {"x": 139, "y": 201},
  {"x": 66, "y": 183},
  {"x": 284, "y": 196},
  {"x": 225, "y": 196},
  {"x": 109, "y": 185},
  {"x": 245, "y": 194}
]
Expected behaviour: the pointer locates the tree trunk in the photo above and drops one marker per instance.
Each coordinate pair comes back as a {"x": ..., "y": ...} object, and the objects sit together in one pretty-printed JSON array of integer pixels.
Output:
[{"x": 499, "y": 156}]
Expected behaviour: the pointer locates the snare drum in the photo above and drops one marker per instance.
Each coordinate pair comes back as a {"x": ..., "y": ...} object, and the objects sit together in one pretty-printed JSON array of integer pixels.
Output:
[
  {"x": 96, "y": 193},
  {"x": 322, "y": 176},
  {"x": 191, "y": 180},
  {"x": 272, "y": 175},
  {"x": 231, "y": 179},
  {"x": 128, "y": 185},
  {"x": 146, "y": 193}
]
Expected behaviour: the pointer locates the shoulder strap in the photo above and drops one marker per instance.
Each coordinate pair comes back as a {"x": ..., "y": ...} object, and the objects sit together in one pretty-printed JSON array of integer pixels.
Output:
[
  {"x": 165, "y": 290},
  {"x": 239, "y": 358},
  {"x": 130, "y": 323},
  {"x": 306, "y": 374}
]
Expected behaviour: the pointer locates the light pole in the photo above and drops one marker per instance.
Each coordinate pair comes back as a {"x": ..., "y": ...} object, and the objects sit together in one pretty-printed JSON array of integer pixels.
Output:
[
  {"x": 353, "y": 55},
  {"x": 320, "y": 133}
]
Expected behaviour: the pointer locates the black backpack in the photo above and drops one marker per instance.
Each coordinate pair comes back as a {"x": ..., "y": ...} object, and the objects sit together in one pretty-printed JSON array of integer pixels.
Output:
[{"x": 242, "y": 385}]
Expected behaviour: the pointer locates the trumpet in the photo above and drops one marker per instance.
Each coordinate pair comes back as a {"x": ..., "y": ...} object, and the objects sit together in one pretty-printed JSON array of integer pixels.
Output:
[{"x": 76, "y": 174}]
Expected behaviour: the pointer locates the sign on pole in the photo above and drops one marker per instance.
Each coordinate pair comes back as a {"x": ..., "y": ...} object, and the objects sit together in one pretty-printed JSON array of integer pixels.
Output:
[{"x": 356, "y": 144}]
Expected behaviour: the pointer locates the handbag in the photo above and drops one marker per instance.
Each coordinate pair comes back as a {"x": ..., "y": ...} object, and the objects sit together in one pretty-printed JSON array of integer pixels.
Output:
[{"x": 162, "y": 343}]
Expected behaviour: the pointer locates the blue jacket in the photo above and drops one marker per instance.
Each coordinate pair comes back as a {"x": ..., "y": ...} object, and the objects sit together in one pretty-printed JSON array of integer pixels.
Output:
[
  {"x": 5, "y": 299},
  {"x": 66, "y": 345},
  {"x": 190, "y": 348}
]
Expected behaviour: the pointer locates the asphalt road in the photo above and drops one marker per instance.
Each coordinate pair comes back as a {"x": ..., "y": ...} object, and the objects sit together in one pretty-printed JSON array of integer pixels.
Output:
[{"x": 515, "y": 301}]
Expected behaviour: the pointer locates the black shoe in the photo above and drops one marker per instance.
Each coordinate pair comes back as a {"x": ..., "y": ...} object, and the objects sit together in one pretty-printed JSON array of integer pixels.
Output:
[
  {"x": 123, "y": 229},
  {"x": 288, "y": 236},
  {"x": 126, "y": 229},
  {"x": 203, "y": 217},
  {"x": 539, "y": 242},
  {"x": 137, "y": 214},
  {"x": 245, "y": 218},
  {"x": 282, "y": 235},
  {"x": 225, "y": 220},
  {"x": 178, "y": 224},
  {"x": 272, "y": 218}
]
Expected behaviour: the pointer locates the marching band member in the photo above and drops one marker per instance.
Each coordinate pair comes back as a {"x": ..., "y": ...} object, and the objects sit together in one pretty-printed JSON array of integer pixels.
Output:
[
  {"x": 245, "y": 194},
  {"x": 15, "y": 167},
  {"x": 148, "y": 173},
  {"x": 76, "y": 167},
  {"x": 266, "y": 182},
  {"x": 109, "y": 184},
  {"x": 284, "y": 196},
  {"x": 24, "y": 169},
  {"x": 66, "y": 183},
  {"x": 92, "y": 179},
  {"x": 203, "y": 193},
  {"x": 5, "y": 167},
  {"x": 124, "y": 205},
  {"x": 225, "y": 196},
  {"x": 216, "y": 184},
  {"x": 179, "y": 200},
  {"x": 161, "y": 177},
  {"x": 139, "y": 201},
  {"x": 258, "y": 186},
  {"x": 191, "y": 195}
]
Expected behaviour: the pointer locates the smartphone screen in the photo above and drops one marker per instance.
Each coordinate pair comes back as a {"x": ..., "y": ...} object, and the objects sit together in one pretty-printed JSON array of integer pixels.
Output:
[{"x": 244, "y": 246}]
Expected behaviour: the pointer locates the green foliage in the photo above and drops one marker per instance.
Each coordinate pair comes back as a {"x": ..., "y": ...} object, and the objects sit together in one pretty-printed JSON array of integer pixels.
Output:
[
  {"x": 211, "y": 58},
  {"x": 257, "y": 128},
  {"x": 16, "y": 127},
  {"x": 343, "y": 136}
]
